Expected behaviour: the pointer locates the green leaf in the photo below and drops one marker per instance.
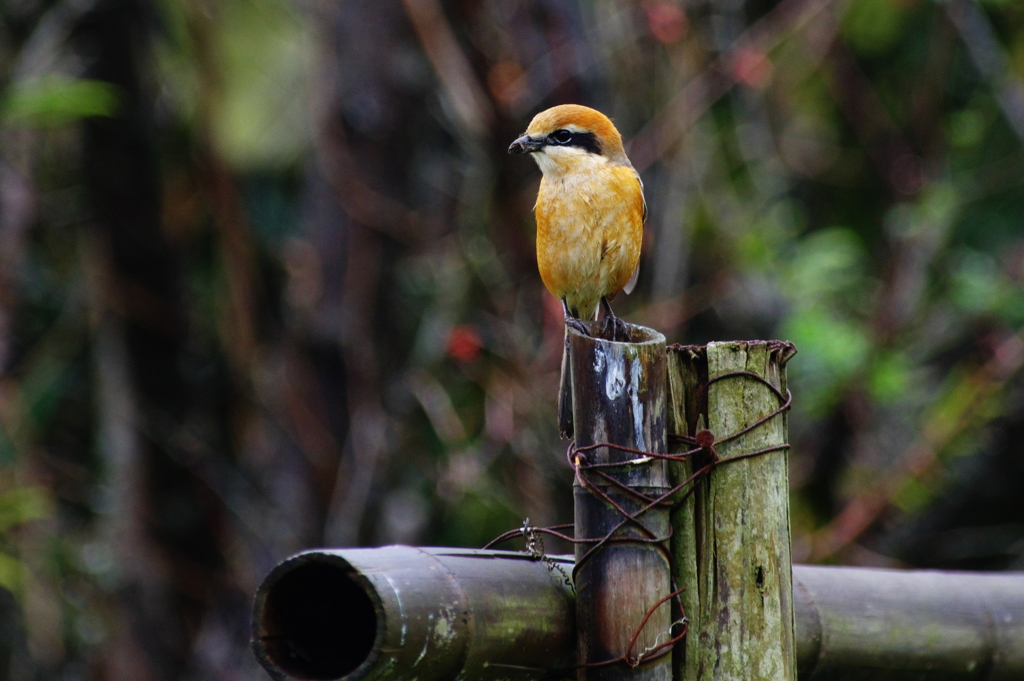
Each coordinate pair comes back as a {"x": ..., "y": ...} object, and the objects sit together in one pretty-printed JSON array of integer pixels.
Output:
[
  {"x": 12, "y": 574},
  {"x": 55, "y": 100},
  {"x": 833, "y": 349},
  {"x": 261, "y": 119},
  {"x": 976, "y": 284},
  {"x": 874, "y": 26},
  {"x": 967, "y": 127},
  {"x": 826, "y": 263},
  {"x": 24, "y": 504},
  {"x": 912, "y": 496},
  {"x": 889, "y": 377}
]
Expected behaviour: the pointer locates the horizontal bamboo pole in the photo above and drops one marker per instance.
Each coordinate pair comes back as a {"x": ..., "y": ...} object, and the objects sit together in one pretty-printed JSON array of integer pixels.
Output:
[
  {"x": 857, "y": 624},
  {"x": 401, "y": 612},
  {"x": 393, "y": 613}
]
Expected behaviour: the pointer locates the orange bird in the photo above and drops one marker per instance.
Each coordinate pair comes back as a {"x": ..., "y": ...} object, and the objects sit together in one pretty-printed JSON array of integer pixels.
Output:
[{"x": 590, "y": 214}]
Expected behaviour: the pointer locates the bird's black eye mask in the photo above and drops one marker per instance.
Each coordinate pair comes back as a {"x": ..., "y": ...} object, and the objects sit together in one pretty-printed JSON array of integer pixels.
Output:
[{"x": 567, "y": 138}]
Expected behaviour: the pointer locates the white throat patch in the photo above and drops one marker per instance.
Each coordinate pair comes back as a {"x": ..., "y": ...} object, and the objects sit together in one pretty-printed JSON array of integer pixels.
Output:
[{"x": 554, "y": 161}]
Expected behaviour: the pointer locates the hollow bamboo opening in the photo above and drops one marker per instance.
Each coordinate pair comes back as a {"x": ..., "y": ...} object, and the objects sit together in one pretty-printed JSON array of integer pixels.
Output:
[{"x": 319, "y": 623}]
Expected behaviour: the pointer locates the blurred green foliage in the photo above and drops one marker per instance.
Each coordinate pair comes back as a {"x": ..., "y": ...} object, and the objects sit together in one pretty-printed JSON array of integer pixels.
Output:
[
  {"x": 56, "y": 100},
  {"x": 267, "y": 281}
]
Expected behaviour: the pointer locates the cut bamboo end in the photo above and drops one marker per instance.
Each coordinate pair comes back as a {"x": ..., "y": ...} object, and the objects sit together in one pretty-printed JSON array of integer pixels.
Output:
[{"x": 400, "y": 612}]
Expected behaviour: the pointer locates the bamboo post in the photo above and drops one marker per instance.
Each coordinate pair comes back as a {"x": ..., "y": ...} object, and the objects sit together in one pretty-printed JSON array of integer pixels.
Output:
[
  {"x": 683, "y": 365},
  {"x": 618, "y": 395},
  {"x": 731, "y": 545}
]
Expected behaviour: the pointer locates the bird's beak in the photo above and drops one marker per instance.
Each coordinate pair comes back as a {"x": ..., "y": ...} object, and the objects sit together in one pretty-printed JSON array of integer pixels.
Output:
[{"x": 525, "y": 145}]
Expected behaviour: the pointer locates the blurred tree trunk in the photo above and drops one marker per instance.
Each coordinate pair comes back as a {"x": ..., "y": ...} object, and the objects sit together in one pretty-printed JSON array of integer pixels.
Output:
[
  {"x": 137, "y": 345},
  {"x": 361, "y": 98}
]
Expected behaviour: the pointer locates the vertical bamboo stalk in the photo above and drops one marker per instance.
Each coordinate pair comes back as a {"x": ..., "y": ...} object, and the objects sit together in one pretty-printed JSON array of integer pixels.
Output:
[
  {"x": 742, "y": 625},
  {"x": 683, "y": 375},
  {"x": 619, "y": 397}
]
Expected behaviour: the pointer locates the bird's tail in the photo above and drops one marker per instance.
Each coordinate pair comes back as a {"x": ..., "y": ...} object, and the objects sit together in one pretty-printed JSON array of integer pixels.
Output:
[{"x": 565, "y": 423}]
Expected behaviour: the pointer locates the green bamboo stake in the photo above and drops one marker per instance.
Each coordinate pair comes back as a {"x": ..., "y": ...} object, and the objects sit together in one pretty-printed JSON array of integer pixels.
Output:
[
  {"x": 682, "y": 382},
  {"x": 741, "y": 614}
]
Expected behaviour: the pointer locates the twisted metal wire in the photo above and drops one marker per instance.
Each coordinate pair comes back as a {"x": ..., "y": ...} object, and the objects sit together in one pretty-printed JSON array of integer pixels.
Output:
[{"x": 703, "y": 442}]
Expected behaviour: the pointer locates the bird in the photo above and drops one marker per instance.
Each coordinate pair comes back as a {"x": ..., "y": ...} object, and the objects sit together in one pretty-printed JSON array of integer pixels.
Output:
[{"x": 590, "y": 215}]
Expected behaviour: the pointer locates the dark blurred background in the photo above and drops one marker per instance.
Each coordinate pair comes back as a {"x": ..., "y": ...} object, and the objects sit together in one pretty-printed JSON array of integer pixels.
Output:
[{"x": 267, "y": 282}]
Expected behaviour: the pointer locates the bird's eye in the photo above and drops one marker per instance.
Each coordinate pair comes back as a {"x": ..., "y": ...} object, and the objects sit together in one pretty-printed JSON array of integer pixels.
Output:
[{"x": 561, "y": 136}]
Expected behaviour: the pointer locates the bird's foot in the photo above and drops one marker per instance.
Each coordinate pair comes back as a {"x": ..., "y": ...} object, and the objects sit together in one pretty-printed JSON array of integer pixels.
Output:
[
  {"x": 574, "y": 322},
  {"x": 578, "y": 326},
  {"x": 613, "y": 328}
]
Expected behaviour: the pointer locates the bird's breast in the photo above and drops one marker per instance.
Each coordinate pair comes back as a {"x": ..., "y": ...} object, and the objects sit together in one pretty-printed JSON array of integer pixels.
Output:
[{"x": 589, "y": 229}]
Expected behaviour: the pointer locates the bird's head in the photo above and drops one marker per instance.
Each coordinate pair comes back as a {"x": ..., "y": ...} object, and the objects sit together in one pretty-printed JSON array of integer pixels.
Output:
[{"x": 570, "y": 138}]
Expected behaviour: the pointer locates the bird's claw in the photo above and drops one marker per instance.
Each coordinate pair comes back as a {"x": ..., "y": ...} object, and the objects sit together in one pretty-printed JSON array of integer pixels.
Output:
[
  {"x": 614, "y": 329},
  {"x": 578, "y": 326},
  {"x": 573, "y": 321}
]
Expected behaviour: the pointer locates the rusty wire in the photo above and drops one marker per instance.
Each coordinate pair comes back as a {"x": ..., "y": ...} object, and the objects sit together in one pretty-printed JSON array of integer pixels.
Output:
[{"x": 704, "y": 441}]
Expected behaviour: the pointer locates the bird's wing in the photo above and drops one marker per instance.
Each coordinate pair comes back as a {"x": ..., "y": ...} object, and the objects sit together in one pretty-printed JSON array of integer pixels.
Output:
[
  {"x": 631, "y": 284},
  {"x": 644, "y": 217}
]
